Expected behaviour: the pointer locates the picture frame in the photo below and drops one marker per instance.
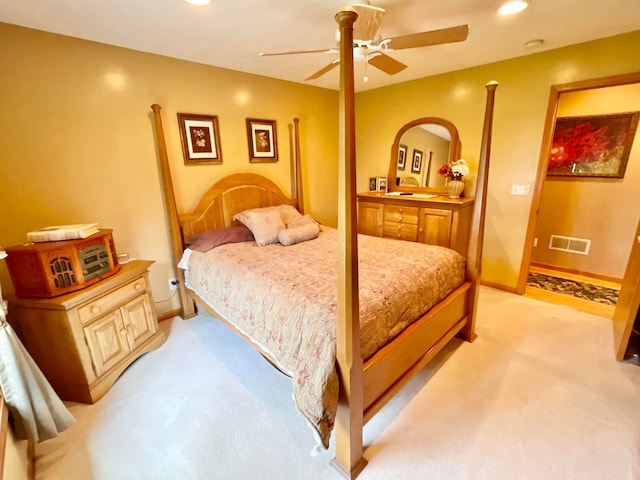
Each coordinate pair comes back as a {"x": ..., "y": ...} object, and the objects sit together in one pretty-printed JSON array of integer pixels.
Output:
[
  {"x": 592, "y": 145},
  {"x": 402, "y": 157},
  {"x": 262, "y": 138},
  {"x": 200, "y": 138},
  {"x": 377, "y": 184},
  {"x": 416, "y": 163}
]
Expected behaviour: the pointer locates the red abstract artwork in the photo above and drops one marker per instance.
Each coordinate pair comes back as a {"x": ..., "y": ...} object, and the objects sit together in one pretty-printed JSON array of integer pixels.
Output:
[{"x": 594, "y": 146}]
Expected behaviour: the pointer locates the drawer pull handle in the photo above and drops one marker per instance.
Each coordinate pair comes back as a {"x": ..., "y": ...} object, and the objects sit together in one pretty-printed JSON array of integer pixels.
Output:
[
  {"x": 95, "y": 309},
  {"x": 138, "y": 286}
]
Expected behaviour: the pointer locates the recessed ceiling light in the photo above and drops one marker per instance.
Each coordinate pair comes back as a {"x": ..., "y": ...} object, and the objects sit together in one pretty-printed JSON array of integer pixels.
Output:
[
  {"x": 513, "y": 6},
  {"x": 198, "y": 2},
  {"x": 535, "y": 43}
]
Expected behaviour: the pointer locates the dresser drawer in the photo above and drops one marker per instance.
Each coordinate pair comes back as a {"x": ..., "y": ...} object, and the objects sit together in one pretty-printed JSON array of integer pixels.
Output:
[
  {"x": 108, "y": 302},
  {"x": 395, "y": 213},
  {"x": 402, "y": 231}
]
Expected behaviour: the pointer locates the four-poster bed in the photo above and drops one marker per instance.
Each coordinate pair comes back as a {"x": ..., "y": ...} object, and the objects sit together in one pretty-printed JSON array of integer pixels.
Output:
[{"x": 364, "y": 385}]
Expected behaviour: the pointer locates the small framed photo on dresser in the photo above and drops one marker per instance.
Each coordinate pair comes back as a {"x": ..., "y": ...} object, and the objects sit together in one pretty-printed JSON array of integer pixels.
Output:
[{"x": 377, "y": 184}]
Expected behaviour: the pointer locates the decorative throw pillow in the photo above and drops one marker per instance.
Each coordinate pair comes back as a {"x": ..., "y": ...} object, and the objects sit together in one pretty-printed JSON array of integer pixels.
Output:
[
  {"x": 298, "y": 234},
  {"x": 205, "y": 241},
  {"x": 264, "y": 223},
  {"x": 289, "y": 213},
  {"x": 300, "y": 221}
]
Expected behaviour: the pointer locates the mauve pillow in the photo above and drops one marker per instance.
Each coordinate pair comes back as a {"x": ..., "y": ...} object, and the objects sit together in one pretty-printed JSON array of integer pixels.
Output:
[{"x": 205, "y": 241}]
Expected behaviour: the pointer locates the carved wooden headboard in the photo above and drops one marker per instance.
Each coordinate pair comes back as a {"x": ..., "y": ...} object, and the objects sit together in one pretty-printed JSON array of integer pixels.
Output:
[{"x": 229, "y": 196}]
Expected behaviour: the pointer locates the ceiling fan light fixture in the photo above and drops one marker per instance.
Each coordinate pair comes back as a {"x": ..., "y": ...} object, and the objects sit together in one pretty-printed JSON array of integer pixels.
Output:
[{"x": 512, "y": 7}]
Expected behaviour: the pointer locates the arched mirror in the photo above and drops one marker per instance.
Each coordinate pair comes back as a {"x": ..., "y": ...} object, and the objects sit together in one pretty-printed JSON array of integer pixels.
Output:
[{"x": 420, "y": 148}]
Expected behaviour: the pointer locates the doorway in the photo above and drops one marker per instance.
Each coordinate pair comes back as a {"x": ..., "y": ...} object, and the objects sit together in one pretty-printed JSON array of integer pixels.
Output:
[{"x": 574, "y": 200}]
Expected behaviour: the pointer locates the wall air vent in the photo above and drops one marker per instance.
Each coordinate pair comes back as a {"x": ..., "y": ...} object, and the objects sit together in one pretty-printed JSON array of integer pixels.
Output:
[{"x": 570, "y": 244}]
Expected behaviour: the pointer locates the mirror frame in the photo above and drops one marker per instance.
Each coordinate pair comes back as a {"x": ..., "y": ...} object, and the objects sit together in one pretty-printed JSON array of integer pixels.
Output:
[{"x": 454, "y": 154}]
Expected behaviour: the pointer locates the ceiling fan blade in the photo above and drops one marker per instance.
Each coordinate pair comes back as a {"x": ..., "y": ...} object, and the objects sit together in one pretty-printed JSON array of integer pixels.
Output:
[
  {"x": 368, "y": 23},
  {"x": 386, "y": 63},
  {"x": 434, "y": 37},
  {"x": 324, "y": 70},
  {"x": 296, "y": 52}
]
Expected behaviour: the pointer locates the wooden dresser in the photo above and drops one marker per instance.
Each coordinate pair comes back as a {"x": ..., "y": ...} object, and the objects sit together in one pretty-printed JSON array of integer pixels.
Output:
[
  {"x": 438, "y": 220},
  {"x": 83, "y": 341}
]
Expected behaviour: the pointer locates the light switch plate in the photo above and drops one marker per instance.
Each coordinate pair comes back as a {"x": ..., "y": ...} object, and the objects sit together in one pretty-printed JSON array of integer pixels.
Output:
[{"x": 522, "y": 190}]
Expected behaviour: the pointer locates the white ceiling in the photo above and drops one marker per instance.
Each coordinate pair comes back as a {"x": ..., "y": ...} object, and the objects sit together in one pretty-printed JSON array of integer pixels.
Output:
[{"x": 231, "y": 33}]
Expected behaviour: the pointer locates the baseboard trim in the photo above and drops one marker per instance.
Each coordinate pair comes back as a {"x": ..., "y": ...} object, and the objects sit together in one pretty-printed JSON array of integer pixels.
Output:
[
  {"x": 169, "y": 314},
  {"x": 576, "y": 272},
  {"x": 499, "y": 286}
]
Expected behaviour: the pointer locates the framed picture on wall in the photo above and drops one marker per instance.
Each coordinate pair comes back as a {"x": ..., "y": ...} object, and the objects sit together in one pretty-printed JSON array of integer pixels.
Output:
[
  {"x": 263, "y": 145},
  {"x": 416, "y": 164},
  {"x": 200, "y": 138},
  {"x": 402, "y": 157},
  {"x": 592, "y": 146}
]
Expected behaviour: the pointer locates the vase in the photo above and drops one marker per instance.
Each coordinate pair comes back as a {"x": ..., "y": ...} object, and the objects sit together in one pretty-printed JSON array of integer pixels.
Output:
[{"x": 455, "y": 188}]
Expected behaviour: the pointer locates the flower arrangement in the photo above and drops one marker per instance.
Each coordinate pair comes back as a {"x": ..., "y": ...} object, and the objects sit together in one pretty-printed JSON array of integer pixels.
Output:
[{"x": 454, "y": 171}]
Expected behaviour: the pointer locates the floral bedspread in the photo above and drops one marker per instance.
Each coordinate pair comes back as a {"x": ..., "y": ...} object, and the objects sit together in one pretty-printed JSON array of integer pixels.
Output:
[{"x": 285, "y": 300}]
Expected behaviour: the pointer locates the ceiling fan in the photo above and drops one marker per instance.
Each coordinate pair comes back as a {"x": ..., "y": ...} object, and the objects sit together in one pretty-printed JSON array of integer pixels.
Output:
[{"x": 368, "y": 44}]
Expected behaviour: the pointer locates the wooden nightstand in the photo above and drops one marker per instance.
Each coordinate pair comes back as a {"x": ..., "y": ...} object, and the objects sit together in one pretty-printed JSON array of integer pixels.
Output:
[{"x": 84, "y": 340}]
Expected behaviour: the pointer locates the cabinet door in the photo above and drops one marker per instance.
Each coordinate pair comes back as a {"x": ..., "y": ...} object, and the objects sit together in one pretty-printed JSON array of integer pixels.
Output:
[
  {"x": 139, "y": 321},
  {"x": 107, "y": 341},
  {"x": 435, "y": 226},
  {"x": 370, "y": 219}
]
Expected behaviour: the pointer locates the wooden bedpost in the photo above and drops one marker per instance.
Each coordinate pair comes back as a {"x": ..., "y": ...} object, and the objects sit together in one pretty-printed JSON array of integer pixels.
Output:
[
  {"x": 350, "y": 419},
  {"x": 298, "y": 165},
  {"x": 474, "y": 255},
  {"x": 188, "y": 307}
]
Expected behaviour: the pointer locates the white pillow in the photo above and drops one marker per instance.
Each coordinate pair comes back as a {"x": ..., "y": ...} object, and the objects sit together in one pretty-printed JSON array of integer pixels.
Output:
[
  {"x": 264, "y": 223},
  {"x": 300, "y": 220},
  {"x": 301, "y": 233}
]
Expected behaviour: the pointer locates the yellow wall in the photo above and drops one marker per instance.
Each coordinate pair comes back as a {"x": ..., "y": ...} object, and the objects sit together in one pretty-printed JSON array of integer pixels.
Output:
[
  {"x": 77, "y": 143},
  {"x": 603, "y": 210},
  {"x": 521, "y": 103}
]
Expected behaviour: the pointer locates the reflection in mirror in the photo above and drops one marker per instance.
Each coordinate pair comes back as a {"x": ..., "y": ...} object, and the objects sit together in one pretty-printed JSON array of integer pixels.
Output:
[{"x": 420, "y": 148}]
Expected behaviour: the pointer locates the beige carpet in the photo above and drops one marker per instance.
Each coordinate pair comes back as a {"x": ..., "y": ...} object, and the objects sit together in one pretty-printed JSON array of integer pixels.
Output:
[{"x": 537, "y": 396}]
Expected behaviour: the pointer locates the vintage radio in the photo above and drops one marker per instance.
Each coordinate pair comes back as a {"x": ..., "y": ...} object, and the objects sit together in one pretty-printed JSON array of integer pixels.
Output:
[{"x": 49, "y": 269}]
